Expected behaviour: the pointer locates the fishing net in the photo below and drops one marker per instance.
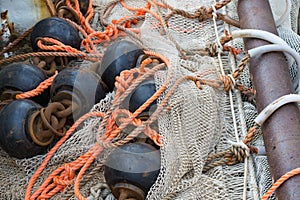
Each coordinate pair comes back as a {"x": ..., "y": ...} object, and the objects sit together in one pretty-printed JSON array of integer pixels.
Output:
[{"x": 199, "y": 123}]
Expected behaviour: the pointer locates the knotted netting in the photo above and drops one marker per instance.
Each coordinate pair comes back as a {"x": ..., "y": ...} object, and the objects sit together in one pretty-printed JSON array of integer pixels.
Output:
[{"x": 198, "y": 123}]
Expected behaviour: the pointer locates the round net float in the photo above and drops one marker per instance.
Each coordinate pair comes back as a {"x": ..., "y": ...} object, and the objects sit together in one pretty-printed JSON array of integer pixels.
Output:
[
  {"x": 80, "y": 85},
  {"x": 119, "y": 56},
  {"x": 14, "y": 130},
  {"x": 19, "y": 77},
  {"x": 140, "y": 95},
  {"x": 56, "y": 28},
  {"x": 132, "y": 169}
]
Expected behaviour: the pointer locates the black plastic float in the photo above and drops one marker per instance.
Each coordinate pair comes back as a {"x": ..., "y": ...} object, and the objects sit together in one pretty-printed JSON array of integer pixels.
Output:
[
  {"x": 120, "y": 55},
  {"x": 56, "y": 28}
]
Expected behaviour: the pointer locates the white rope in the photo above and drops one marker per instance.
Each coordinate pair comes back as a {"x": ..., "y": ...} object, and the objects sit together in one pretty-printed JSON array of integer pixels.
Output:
[
  {"x": 242, "y": 145},
  {"x": 247, "y": 159},
  {"x": 272, "y": 107},
  {"x": 219, "y": 45},
  {"x": 245, "y": 178},
  {"x": 275, "y": 47},
  {"x": 220, "y": 48},
  {"x": 260, "y": 34},
  {"x": 232, "y": 80}
]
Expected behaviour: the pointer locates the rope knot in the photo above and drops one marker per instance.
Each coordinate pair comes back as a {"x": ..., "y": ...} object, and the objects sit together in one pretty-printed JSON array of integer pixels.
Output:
[
  {"x": 201, "y": 14},
  {"x": 69, "y": 171},
  {"x": 62, "y": 181},
  {"x": 212, "y": 49},
  {"x": 228, "y": 82},
  {"x": 238, "y": 152},
  {"x": 237, "y": 155}
]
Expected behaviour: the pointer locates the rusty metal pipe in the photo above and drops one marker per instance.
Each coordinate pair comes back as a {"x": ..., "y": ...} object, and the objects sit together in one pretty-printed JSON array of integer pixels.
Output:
[{"x": 271, "y": 80}]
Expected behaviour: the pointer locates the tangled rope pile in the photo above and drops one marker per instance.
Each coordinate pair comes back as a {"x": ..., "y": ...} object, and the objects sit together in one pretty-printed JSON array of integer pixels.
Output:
[{"x": 109, "y": 129}]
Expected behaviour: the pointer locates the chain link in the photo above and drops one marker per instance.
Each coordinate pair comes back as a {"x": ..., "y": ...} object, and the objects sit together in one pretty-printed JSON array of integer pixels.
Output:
[
  {"x": 50, "y": 64},
  {"x": 64, "y": 11},
  {"x": 49, "y": 122}
]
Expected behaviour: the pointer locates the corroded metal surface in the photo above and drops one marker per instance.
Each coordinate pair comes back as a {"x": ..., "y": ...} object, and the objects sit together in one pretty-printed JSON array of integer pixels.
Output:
[{"x": 270, "y": 76}]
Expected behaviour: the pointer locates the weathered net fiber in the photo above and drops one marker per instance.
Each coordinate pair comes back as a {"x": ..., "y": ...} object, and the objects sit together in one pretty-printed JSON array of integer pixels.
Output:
[{"x": 199, "y": 123}]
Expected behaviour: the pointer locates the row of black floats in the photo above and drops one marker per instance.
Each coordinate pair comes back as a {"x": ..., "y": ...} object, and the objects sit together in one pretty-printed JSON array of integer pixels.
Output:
[
  {"x": 130, "y": 169},
  {"x": 29, "y": 127}
]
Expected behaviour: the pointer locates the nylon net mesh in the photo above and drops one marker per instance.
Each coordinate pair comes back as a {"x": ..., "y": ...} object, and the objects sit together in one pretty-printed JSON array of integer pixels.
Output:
[{"x": 200, "y": 122}]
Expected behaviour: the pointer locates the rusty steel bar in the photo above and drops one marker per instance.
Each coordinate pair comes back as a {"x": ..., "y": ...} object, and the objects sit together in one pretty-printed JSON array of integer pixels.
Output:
[{"x": 271, "y": 80}]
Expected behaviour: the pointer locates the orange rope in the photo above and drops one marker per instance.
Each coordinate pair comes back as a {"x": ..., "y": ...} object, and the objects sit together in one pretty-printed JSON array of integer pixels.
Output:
[
  {"x": 163, "y": 58},
  {"x": 90, "y": 47},
  {"x": 144, "y": 63},
  {"x": 83, "y": 21},
  {"x": 112, "y": 130},
  {"x": 111, "y": 31},
  {"x": 39, "y": 89},
  {"x": 57, "y": 46},
  {"x": 76, "y": 164},
  {"x": 64, "y": 175},
  {"x": 280, "y": 181},
  {"x": 91, "y": 37},
  {"x": 96, "y": 152},
  {"x": 160, "y": 4},
  {"x": 141, "y": 10}
]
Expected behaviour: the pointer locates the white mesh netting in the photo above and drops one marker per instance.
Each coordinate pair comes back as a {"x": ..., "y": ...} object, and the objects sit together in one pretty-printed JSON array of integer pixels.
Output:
[{"x": 200, "y": 122}]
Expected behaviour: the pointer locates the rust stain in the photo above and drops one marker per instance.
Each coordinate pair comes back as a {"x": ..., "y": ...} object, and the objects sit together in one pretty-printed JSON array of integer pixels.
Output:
[{"x": 41, "y": 9}]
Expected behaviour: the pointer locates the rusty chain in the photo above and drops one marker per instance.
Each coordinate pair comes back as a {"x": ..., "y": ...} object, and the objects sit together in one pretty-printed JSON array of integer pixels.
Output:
[
  {"x": 8, "y": 96},
  {"x": 49, "y": 122},
  {"x": 50, "y": 64},
  {"x": 63, "y": 11}
]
